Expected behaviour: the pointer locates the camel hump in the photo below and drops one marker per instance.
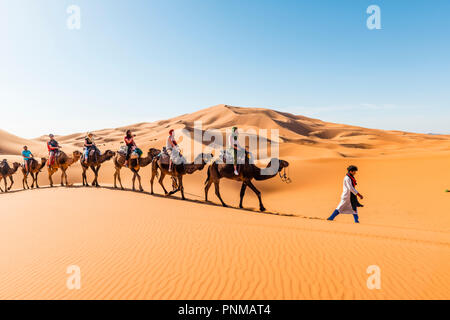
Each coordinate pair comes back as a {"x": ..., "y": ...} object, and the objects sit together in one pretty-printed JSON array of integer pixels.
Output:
[
  {"x": 4, "y": 170},
  {"x": 94, "y": 154}
]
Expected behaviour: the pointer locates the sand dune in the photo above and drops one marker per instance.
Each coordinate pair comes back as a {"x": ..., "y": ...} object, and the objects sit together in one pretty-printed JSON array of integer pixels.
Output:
[
  {"x": 140, "y": 247},
  {"x": 133, "y": 245}
]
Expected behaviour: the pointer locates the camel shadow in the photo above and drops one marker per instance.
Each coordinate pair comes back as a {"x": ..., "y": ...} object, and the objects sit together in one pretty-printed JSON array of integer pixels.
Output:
[
  {"x": 173, "y": 198},
  {"x": 212, "y": 204},
  {"x": 31, "y": 189}
]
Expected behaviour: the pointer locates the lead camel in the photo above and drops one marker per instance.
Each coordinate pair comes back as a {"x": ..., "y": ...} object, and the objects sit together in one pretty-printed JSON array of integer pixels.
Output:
[{"x": 247, "y": 172}]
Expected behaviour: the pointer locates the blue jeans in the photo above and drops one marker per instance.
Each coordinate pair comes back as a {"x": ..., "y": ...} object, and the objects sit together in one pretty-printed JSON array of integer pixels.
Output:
[{"x": 336, "y": 213}]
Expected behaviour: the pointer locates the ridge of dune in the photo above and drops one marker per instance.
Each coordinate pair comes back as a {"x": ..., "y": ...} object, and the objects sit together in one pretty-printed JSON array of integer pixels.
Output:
[
  {"x": 12, "y": 144},
  {"x": 305, "y": 136}
]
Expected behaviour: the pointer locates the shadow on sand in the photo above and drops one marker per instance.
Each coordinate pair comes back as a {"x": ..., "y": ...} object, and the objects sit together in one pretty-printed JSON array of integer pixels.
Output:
[{"x": 173, "y": 198}]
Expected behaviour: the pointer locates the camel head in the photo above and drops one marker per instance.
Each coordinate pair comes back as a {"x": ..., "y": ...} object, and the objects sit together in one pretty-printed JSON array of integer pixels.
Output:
[
  {"x": 76, "y": 155},
  {"x": 203, "y": 158},
  {"x": 153, "y": 152},
  {"x": 109, "y": 154},
  {"x": 281, "y": 163},
  {"x": 16, "y": 166}
]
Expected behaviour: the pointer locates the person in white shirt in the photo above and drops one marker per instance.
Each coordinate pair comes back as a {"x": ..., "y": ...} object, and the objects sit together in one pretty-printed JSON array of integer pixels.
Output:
[
  {"x": 171, "y": 147},
  {"x": 349, "y": 202},
  {"x": 234, "y": 147}
]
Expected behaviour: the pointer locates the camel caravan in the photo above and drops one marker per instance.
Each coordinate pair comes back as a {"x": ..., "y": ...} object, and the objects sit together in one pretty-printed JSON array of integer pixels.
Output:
[{"x": 235, "y": 164}]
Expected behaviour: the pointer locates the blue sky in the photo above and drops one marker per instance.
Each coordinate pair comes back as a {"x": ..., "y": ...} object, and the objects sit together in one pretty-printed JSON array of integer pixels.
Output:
[{"x": 136, "y": 61}]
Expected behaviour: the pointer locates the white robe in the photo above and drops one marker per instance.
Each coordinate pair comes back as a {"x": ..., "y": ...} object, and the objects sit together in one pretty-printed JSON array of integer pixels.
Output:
[{"x": 345, "y": 206}]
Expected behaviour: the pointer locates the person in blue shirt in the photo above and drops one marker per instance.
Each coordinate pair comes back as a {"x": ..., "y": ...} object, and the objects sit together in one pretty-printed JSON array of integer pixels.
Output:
[{"x": 27, "y": 156}]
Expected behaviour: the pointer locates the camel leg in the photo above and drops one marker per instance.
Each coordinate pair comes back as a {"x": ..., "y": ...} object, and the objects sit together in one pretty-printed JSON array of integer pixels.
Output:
[
  {"x": 96, "y": 176},
  {"x": 62, "y": 177},
  {"x": 84, "y": 177},
  {"x": 65, "y": 175},
  {"x": 36, "y": 179},
  {"x": 133, "y": 179},
  {"x": 258, "y": 193},
  {"x": 120, "y": 179},
  {"x": 178, "y": 188},
  {"x": 216, "y": 186},
  {"x": 50, "y": 173},
  {"x": 6, "y": 184},
  {"x": 243, "y": 188},
  {"x": 12, "y": 182},
  {"x": 181, "y": 187},
  {"x": 207, "y": 186},
  {"x": 25, "y": 181},
  {"x": 154, "y": 172},
  {"x": 161, "y": 178},
  {"x": 1, "y": 190},
  {"x": 139, "y": 180}
]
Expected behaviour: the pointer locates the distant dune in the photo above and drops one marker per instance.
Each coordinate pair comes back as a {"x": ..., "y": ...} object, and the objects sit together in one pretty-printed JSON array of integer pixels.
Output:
[
  {"x": 312, "y": 138},
  {"x": 132, "y": 245}
]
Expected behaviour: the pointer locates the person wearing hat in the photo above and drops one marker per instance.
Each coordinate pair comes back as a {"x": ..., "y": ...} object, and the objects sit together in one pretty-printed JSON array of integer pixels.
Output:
[
  {"x": 349, "y": 202},
  {"x": 88, "y": 145},
  {"x": 27, "y": 156},
  {"x": 235, "y": 147},
  {"x": 171, "y": 147},
  {"x": 53, "y": 147}
]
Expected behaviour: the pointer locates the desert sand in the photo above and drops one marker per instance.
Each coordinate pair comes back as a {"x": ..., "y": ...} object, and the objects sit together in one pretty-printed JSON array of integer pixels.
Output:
[{"x": 132, "y": 245}]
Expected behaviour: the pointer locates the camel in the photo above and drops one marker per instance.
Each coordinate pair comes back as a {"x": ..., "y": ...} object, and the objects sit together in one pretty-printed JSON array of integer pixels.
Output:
[
  {"x": 62, "y": 162},
  {"x": 95, "y": 162},
  {"x": 6, "y": 171},
  {"x": 178, "y": 171},
  {"x": 134, "y": 166},
  {"x": 247, "y": 172},
  {"x": 34, "y": 168}
]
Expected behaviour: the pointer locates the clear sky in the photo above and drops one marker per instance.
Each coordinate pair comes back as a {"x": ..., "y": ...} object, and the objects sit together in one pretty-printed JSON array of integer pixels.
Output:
[{"x": 137, "y": 61}]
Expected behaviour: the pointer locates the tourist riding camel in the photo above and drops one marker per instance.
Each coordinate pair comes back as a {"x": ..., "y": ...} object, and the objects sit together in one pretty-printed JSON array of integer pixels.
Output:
[
  {"x": 34, "y": 168},
  {"x": 178, "y": 171},
  {"x": 131, "y": 146},
  {"x": 62, "y": 161},
  {"x": 53, "y": 149},
  {"x": 89, "y": 144},
  {"x": 27, "y": 156},
  {"x": 6, "y": 171},
  {"x": 172, "y": 148},
  {"x": 235, "y": 148},
  {"x": 247, "y": 172},
  {"x": 133, "y": 164},
  {"x": 94, "y": 161}
]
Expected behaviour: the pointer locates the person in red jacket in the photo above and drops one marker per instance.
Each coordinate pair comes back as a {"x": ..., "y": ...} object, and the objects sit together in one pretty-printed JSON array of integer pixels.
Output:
[
  {"x": 129, "y": 142},
  {"x": 53, "y": 147}
]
